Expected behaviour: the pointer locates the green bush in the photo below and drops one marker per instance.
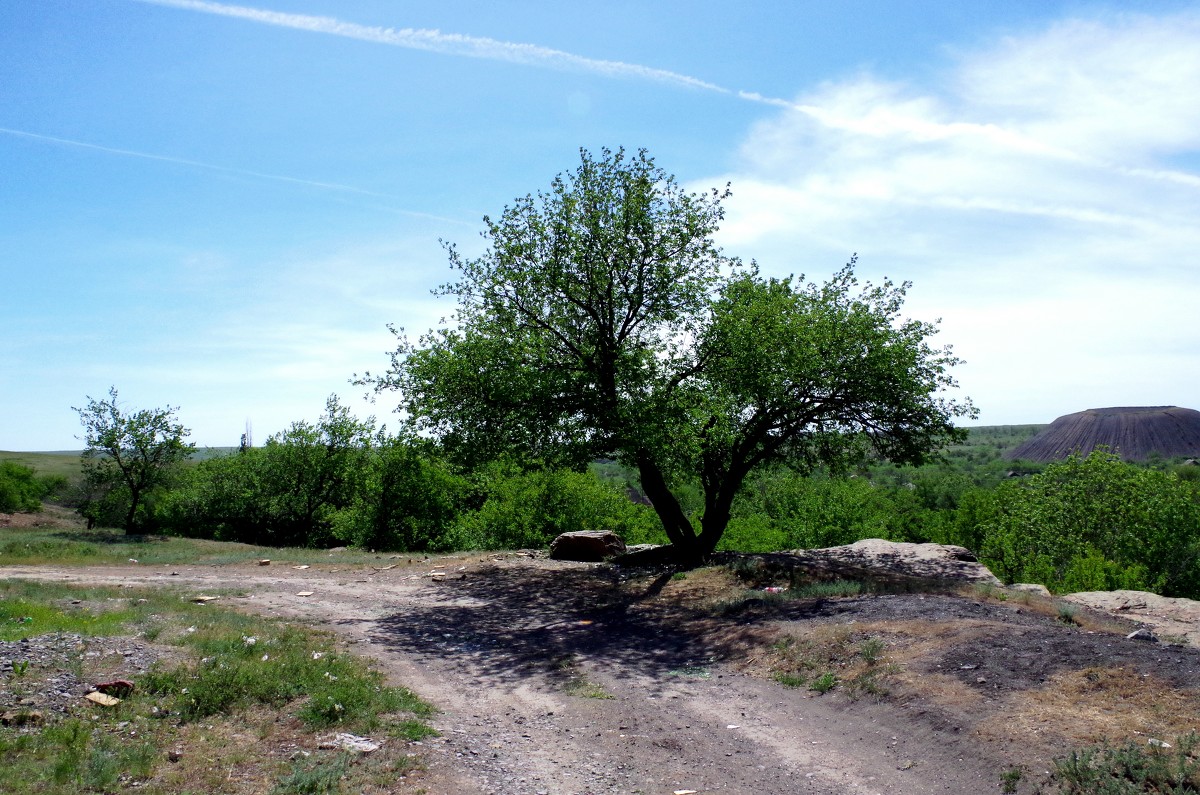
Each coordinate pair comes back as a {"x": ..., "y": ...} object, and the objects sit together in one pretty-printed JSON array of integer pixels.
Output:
[
  {"x": 409, "y": 498},
  {"x": 1096, "y": 523},
  {"x": 522, "y": 509},
  {"x": 21, "y": 489}
]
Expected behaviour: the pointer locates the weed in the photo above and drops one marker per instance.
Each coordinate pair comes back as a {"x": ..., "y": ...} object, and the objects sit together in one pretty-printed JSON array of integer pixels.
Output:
[
  {"x": 1009, "y": 780},
  {"x": 824, "y": 683},
  {"x": 1132, "y": 768},
  {"x": 871, "y": 650},
  {"x": 20, "y": 668},
  {"x": 1067, "y": 613},
  {"x": 789, "y": 680},
  {"x": 413, "y": 730},
  {"x": 679, "y": 575},
  {"x": 314, "y": 778}
]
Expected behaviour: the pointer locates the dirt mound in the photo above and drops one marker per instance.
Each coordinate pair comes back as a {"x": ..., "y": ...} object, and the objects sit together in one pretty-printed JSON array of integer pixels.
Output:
[{"x": 1135, "y": 433}]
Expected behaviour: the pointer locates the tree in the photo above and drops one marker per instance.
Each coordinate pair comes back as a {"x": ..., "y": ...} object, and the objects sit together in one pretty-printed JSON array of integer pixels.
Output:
[
  {"x": 603, "y": 320},
  {"x": 127, "y": 455},
  {"x": 1096, "y": 523}
]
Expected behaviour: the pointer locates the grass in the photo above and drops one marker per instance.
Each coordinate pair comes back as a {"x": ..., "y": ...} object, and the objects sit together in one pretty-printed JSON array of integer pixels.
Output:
[
  {"x": 239, "y": 689},
  {"x": 64, "y": 463},
  {"x": 575, "y": 682},
  {"x": 833, "y": 656},
  {"x": 1132, "y": 768},
  {"x": 68, "y": 544}
]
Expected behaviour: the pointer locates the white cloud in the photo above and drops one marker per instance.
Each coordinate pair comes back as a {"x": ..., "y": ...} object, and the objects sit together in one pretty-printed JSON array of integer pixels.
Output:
[
  {"x": 1033, "y": 196},
  {"x": 445, "y": 43}
]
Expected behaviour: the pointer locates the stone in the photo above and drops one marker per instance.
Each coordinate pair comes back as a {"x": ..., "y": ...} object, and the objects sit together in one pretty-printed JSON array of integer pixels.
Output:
[
  {"x": 1030, "y": 587},
  {"x": 1142, "y": 634},
  {"x": 588, "y": 546},
  {"x": 117, "y": 687}
]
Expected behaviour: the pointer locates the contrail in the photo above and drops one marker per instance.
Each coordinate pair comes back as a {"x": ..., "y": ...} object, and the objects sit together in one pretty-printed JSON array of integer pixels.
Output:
[
  {"x": 333, "y": 186},
  {"x": 193, "y": 163},
  {"x": 446, "y": 43},
  {"x": 538, "y": 56}
]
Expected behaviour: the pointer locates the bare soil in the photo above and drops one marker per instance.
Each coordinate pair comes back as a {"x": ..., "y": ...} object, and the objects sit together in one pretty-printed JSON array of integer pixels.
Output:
[{"x": 569, "y": 678}]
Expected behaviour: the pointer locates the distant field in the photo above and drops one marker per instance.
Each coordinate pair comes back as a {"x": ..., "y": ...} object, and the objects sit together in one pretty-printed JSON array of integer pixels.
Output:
[{"x": 65, "y": 462}]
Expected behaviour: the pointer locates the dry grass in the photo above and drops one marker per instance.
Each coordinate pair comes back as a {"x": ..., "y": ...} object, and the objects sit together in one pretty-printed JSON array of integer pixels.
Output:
[{"x": 1097, "y": 703}]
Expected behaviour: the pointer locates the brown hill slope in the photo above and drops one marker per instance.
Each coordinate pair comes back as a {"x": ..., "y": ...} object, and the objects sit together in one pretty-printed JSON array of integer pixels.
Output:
[{"x": 1133, "y": 432}]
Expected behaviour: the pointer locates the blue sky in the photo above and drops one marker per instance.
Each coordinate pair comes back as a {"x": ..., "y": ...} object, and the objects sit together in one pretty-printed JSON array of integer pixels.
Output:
[{"x": 220, "y": 207}]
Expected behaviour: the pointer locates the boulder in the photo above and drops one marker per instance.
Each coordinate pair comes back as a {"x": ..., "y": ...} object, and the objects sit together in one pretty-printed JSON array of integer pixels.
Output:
[
  {"x": 589, "y": 546},
  {"x": 875, "y": 555}
]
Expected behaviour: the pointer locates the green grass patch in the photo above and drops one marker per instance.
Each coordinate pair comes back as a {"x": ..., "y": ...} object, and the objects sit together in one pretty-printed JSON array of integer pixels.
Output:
[
  {"x": 237, "y": 670},
  {"x": 1132, "y": 769}
]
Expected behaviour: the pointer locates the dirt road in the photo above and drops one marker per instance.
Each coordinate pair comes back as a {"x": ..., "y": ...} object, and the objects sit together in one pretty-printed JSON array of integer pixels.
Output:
[{"x": 572, "y": 678}]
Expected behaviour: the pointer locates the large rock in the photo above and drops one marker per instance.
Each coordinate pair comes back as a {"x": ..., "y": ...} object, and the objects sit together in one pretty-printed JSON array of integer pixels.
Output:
[
  {"x": 1170, "y": 618},
  {"x": 875, "y": 557},
  {"x": 590, "y": 546}
]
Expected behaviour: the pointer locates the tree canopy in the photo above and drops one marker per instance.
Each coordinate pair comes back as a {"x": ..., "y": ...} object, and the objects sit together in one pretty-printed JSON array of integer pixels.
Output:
[
  {"x": 127, "y": 454},
  {"x": 603, "y": 320}
]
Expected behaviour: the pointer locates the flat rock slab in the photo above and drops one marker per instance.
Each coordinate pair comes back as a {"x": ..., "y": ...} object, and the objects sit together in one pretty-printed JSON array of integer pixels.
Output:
[
  {"x": 1168, "y": 617},
  {"x": 875, "y": 556}
]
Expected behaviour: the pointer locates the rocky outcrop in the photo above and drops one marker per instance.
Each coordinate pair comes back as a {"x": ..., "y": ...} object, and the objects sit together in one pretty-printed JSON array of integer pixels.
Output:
[
  {"x": 1167, "y": 617},
  {"x": 590, "y": 546}
]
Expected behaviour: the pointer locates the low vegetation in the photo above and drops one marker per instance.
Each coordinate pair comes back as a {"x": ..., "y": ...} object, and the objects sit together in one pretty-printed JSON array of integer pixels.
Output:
[
  {"x": 1091, "y": 523},
  {"x": 231, "y": 696}
]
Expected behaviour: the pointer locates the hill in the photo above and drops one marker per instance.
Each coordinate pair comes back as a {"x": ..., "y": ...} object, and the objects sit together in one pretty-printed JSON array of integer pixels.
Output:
[{"x": 1136, "y": 433}]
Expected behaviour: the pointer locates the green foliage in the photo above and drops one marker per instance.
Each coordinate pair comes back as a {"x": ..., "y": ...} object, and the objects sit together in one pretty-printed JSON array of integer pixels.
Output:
[
  {"x": 824, "y": 683},
  {"x": 291, "y": 492},
  {"x": 315, "y": 777},
  {"x": 1096, "y": 523},
  {"x": 603, "y": 321},
  {"x": 410, "y": 497},
  {"x": 1131, "y": 769},
  {"x": 21, "y": 489},
  {"x": 129, "y": 454},
  {"x": 522, "y": 509}
]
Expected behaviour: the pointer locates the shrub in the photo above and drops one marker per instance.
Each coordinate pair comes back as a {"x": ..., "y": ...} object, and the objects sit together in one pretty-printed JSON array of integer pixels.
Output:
[
  {"x": 529, "y": 508},
  {"x": 1096, "y": 523},
  {"x": 21, "y": 489}
]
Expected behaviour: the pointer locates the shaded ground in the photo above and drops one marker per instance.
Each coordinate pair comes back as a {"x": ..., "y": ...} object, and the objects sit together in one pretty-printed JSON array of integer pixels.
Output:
[{"x": 576, "y": 678}]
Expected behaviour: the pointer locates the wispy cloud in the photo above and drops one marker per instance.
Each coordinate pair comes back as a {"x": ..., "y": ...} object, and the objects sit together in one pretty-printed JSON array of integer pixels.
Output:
[
  {"x": 446, "y": 43},
  {"x": 330, "y": 186},
  {"x": 1038, "y": 192}
]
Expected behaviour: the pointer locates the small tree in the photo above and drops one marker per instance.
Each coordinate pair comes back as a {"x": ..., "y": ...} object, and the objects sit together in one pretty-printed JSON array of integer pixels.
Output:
[
  {"x": 603, "y": 320},
  {"x": 127, "y": 455}
]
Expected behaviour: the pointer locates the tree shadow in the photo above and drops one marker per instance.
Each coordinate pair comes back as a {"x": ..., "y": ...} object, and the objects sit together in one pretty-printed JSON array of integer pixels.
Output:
[{"x": 513, "y": 623}]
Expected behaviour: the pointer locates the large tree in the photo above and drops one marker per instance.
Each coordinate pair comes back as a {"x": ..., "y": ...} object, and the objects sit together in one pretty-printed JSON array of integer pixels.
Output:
[
  {"x": 603, "y": 320},
  {"x": 127, "y": 455}
]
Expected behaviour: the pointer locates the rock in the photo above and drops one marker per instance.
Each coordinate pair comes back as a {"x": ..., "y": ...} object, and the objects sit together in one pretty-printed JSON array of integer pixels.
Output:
[
  {"x": 31, "y": 717},
  {"x": 1030, "y": 587},
  {"x": 1142, "y": 634},
  {"x": 352, "y": 743},
  {"x": 102, "y": 699},
  {"x": 902, "y": 558},
  {"x": 117, "y": 687},
  {"x": 591, "y": 546},
  {"x": 1172, "y": 619}
]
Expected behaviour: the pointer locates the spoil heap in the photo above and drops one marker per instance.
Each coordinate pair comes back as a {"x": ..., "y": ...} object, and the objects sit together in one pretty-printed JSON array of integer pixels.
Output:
[{"x": 1135, "y": 433}]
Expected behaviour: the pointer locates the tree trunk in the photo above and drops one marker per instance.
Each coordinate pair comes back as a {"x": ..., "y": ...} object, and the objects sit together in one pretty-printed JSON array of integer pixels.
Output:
[
  {"x": 679, "y": 529},
  {"x": 135, "y": 496}
]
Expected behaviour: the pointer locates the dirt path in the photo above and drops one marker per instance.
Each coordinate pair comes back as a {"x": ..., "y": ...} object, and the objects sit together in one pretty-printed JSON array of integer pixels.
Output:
[{"x": 565, "y": 679}]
